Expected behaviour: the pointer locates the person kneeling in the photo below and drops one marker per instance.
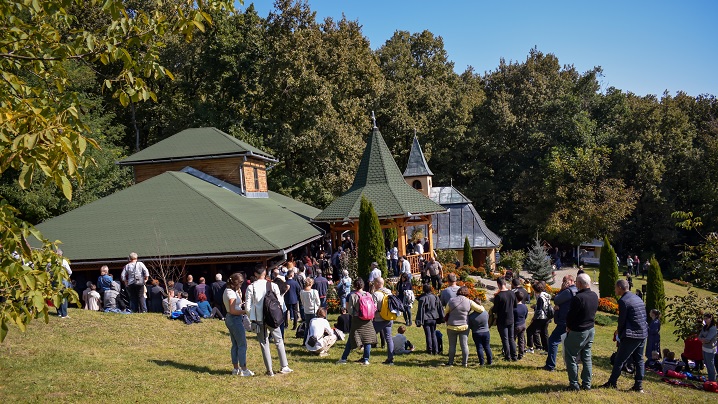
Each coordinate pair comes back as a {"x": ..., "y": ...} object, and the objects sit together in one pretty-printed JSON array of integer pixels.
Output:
[
  {"x": 401, "y": 344},
  {"x": 321, "y": 336}
]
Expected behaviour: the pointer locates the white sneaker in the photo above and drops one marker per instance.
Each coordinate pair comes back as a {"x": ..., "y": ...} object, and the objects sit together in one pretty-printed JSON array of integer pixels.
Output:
[
  {"x": 323, "y": 354},
  {"x": 235, "y": 372},
  {"x": 286, "y": 370},
  {"x": 246, "y": 373}
]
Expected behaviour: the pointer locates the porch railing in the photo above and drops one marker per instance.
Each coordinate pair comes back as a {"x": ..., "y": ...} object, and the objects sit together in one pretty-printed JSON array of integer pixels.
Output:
[{"x": 416, "y": 261}]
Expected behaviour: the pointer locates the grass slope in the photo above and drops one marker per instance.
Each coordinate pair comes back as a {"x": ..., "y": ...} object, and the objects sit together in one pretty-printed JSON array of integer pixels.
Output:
[{"x": 137, "y": 358}]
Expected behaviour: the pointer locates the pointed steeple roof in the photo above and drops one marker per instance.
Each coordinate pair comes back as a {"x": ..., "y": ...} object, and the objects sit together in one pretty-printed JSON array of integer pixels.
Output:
[
  {"x": 379, "y": 179},
  {"x": 416, "y": 167}
]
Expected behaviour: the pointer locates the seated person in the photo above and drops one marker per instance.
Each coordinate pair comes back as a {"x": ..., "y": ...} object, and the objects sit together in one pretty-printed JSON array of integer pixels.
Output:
[
  {"x": 671, "y": 363},
  {"x": 321, "y": 336},
  {"x": 401, "y": 344},
  {"x": 183, "y": 301},
  {"x": 655, "y": 362},
  {"x": 205, "y": 310},
  {"x": 92, "y": 300},
  {"x": 169, "y": 304},
  {"x": 111, "y": 296},
  {"x": 344, "y": 321}
]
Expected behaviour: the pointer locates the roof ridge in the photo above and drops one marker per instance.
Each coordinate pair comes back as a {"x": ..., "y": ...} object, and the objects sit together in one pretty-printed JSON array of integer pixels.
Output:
[{"x": 174, "y": 174}]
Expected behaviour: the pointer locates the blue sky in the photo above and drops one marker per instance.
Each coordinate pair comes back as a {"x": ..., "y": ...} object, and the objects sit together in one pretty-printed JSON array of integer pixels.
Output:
[{"x": 644, "y": 47}]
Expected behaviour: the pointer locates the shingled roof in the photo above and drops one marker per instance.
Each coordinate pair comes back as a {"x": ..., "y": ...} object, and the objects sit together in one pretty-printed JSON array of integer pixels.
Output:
[
  {"x": 379, "y": 179},
  {"x": 417, "y": 166},
  {"x": 177, "y": 214},
  {"x": 196, "y": 143},
  {"x": 461, "y": 222}
]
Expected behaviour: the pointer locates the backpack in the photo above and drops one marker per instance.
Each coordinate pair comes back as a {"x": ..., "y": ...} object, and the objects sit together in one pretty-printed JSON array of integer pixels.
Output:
[
  {"x": 548, "y": 309},
  {"x": 386, "y": 311},
  {"x": 301, "y": 330},
  {"x": 190, "y": 315},
  {"x": 367, "y": 307},
  {"x": 272, "y": 310}
]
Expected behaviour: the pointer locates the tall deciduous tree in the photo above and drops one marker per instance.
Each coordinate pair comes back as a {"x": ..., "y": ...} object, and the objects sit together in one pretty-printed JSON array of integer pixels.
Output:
[
  {"x": 371, "y": 242},
  {"x": 655, "y": 295},
  {"x": 608, "y": 267}
]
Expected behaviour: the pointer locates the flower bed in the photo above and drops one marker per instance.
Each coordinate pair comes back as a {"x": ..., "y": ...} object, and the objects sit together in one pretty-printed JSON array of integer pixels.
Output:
[
  {"x": 333, "y": 306},
  {"x": 682, "y": 283},
  {"x": 608, "y": 305}
]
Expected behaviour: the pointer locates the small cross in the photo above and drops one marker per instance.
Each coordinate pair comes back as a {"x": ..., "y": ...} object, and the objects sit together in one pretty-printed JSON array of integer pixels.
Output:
[{"x": 373, "y": 119}]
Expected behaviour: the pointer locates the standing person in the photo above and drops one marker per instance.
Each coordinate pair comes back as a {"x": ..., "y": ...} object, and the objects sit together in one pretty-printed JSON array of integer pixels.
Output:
[
  {"x": 321, "y": 284},
  {"x": 450, "y": 291},
  {"x": 310, "y": 304},
  {"x": 426, "y": 244},
  {"x": 256, "y": 293},
  {"x": 580, "y": 331},
  {"x": 520, "y": 314},
  {"x": 394, "y": 259},
  {"x": 291, "y": 300},
  {"x": 362, "y": 332},
  {"x": 631, "y": 336},
  {"x": 517, "y": 286},
  {"x": 405, "y": 293},
  {"x": 457, "y": 324},
  {"x": 629, "y": 265},
  {"x": 382, "y": 325},
  {"x": 104, "y": 281},
  {"x": 538, "y": 329},
  {"x": 232, "y": 301},
  {"x": 504, "y": 304},
  {"x": 189, "y": 287},
  {"x": 562, "y": 300},
  {"x": 217, "y": 292},
  {"x": 435, "y": 272},
  {"x": 709, "y": 338},
  {"x": 637, "y": 264},
  {"x": 110, "y": 298},
  {"x": 418, "y": 247},
  {"x": 479, "y": 326},
  {"x": 62, "y": 310},
  {"x": 156, "y": 295},
  {"x": 375, "y": 272},
  {"x": 200, "y": 289},
  {"x": 405, "y": 266},
  {"x": 344, "y": 287},
  {"x": 653, "y": 343},
  {"x": 429, "y": 311},
  {"x": 134, "y": 275}
]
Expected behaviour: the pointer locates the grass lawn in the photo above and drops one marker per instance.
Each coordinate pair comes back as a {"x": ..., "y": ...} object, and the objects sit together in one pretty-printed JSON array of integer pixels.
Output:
[{"x": 102, "y": 357}]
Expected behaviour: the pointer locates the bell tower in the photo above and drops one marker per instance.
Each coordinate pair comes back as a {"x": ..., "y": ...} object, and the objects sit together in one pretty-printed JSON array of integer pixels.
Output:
[{"x": 417, "y": 173}]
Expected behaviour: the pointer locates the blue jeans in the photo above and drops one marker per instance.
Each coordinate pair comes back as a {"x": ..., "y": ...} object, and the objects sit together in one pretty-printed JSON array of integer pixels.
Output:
[
  {"x": 62, "y": 310},
  {"x": 709, "y": 360},
  {"x": 629, "y": 349},
  {"x": 553, "y": 342},
  {"x": 482, "y": 340},
  {"x": 384, "y": 327},
  {"x": 239, "y": 339},
  {"x": 394, "y": 266},
  {"x": 348, "y": 349}
]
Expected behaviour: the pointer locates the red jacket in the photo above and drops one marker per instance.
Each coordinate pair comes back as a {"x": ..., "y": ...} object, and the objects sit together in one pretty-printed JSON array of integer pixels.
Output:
[{"x": 693, "y": 349}]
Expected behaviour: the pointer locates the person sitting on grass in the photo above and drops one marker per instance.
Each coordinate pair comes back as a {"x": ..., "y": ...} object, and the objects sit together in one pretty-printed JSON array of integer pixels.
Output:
[
  {"x": 401, "y": 344},
  {"x": 110, "y": 298},
  {"x": 671, "y": 363},
  {"x": 321, "y": 336},
  {"x": 205, "y": 310},
  {"x": 169, "y": 304},
  {"x": 183, "y": 302},
  {"x": 344, "y": 321},
  {"x": 92, "y": 301}
]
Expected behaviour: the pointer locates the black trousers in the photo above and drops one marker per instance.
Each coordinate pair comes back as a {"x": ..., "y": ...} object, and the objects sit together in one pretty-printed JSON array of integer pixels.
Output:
[
  {"x": 506, "y": 331},
  {"x": 537, "y": 332},
  {"x": 138, "y": 304}
]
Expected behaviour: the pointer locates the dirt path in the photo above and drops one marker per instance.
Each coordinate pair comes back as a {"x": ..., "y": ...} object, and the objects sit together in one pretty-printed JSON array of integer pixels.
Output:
[{"x": 558, "y": 278}]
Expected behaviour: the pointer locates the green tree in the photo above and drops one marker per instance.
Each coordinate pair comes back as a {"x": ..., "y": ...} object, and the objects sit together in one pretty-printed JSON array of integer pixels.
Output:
[
  {"x": 371, "y": 242},
  {"x": 468, "y": 256},
  {"x": 699, "y": 262},
  {"x": 608, "y": 267},
  {"x": 538, "y": 263},
  {"x": 43, "y": 129},
  {"x": 655, "y": 295}
]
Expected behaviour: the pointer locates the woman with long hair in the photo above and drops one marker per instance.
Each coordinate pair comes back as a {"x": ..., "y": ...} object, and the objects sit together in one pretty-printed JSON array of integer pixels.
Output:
[
  {"x": 709, "y": 336},
  {"x": 232, "y": 299}
]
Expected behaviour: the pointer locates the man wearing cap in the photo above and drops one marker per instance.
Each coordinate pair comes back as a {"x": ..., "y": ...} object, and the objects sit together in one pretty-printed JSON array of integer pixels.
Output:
[{"x": 375, "y": 272}]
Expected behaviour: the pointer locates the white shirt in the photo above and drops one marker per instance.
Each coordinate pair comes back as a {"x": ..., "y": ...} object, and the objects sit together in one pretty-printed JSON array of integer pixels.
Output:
[
  {"x": 231, "y": 294},
  {"x": 394, "y": 253},
  {"x": 316, "y": 328},
  {"x": 134, "y": 272},
  {"x": 406, "y": 267},
  {"x": 419, "y": 248},
  {"x": 182, "y": 303},
  {"x": 255, "y": 298},
  {"x": 375, "y": 273},
  {"x": 310, "y": 301}
]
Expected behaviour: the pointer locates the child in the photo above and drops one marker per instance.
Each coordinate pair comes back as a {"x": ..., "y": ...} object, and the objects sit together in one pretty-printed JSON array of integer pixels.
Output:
[
  {"x": 670, "y": 363},
  {"x": 401, "y": 344},
  {"x": 655, "y": 361},
  {"x": 654, "y": 333},
  {"x": 520, "y": 314}
]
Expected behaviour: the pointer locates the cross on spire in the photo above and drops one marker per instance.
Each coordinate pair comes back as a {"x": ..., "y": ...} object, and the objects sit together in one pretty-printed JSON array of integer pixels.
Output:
[{"x": 373, "y": 120}]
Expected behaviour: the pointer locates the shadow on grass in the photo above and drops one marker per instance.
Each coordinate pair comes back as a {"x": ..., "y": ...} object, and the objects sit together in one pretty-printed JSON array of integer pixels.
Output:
[
  {"x": 189, "y": 367},
  {"x": 511, "y": 391}
]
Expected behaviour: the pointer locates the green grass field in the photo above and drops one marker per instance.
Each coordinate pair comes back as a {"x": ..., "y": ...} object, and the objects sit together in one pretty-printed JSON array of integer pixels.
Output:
[{"x": 98, "y": 357}]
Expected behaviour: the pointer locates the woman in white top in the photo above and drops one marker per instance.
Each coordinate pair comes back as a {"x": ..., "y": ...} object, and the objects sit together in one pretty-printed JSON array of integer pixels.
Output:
[
  {"x": 232, "y": 299},
  {"x": 310, "y": 304},
  {"x": 320, "y": 333}
]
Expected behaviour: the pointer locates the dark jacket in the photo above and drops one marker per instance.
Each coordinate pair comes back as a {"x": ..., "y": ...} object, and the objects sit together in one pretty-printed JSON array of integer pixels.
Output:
[
  {"x": 429, "y": 308},
  {"x": 321, "y": 285},
  {"x": 582, "y": 311},
  {"x": 632, "y": 317},
  {"x": 200, "y": 288},
  {"x": 520, "y": 314},
  {"x": 104, "y": 282},
  {"x": 563, "y": 301},
  {"x": 217, "y": 293},
  {"x": 292, "y": 296},
  {"x": 479, "y": 322},
  {"x": 504, "y": 304}
]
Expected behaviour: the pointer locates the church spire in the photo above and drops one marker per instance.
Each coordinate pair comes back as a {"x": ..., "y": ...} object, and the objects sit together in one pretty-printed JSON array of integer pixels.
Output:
[{"x": 417, "y": 165}]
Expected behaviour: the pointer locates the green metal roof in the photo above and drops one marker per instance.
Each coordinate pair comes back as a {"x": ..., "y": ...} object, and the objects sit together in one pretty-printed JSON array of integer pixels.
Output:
[
  {"x": 379, "y": 180},
  {"x": 416, "y": 166},
  {"x": 177, "y": 214},
  {"x": 195, "y": 142}
]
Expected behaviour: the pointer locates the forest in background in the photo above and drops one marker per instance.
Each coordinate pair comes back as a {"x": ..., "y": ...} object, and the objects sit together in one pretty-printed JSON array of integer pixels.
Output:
[{"x": 538, "y": 146}]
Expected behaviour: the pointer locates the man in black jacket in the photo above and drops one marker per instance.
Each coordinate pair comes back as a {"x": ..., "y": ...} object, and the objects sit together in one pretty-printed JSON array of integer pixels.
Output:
[
  {"x": 631, "y": 335},
  {"x": 504, "y": 305},
  {"x": 579, "y": 333}
]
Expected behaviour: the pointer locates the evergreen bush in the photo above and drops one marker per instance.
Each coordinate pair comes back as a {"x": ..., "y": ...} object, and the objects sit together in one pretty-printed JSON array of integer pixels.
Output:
[
  {"x": 608, "y": 266},
  {"x": 371, "y": 241},
  {"x": 538, "y": 263},
  {"x": 655, "y": 296},
  {"x": 468, "y": 256}
]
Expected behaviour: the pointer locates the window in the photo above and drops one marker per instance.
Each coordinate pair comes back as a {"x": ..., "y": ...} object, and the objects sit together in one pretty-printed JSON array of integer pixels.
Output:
[
  {"x": 256, "y": 179},
  {"x": 416, "y": 184}
]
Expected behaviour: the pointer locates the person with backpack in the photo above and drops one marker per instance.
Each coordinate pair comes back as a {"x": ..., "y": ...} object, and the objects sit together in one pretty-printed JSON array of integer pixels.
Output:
[
  {"x": 362, "y": 308},
  {"x": 266, "y": 311},
  {"x": 428, "y": 313},
  {"x": 457, "y": 324},
  {"x": 134, "y": 275},
  {"x": 537, "y": 331},
  {"x": 384, "y": 318},
  {"x": 562, "y": 300},
  {"x": 406, "y": 294}
]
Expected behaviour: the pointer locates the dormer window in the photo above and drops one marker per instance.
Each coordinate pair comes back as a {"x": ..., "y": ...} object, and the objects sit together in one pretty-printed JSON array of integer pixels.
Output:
[{"x": 416, "y": 184}]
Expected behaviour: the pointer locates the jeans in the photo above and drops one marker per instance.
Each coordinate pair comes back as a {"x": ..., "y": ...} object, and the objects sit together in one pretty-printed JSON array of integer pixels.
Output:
[
  {"x": 629, "y": 348},
  {"x": 239, "y": 339},
  {"x": 506, "y": 331},
  {"x": 709, "y": 360},
  {"x": 463, "y": 337},
  {"x": 323, "y": 302},
  {"x": 482, "y": 341},
  {"x": 263, "y": 338},
  {"x": 348, "y": 349},
  {"x": 538, "y": 332},
  {"x": 578, "y": 344},
  {"x": 384, "y": 327},
  {"x": 394, "y": 266},
  {"x": 520, "y": 335},
  {"x": 137, "y": 300},
  {"x": 307, "y": 320},
  {"x": 553, "y": 342},
  {"x": 432, "y": 346},
  {"x": 407, "y": 315},
  {"x": 62, "y": 310}
]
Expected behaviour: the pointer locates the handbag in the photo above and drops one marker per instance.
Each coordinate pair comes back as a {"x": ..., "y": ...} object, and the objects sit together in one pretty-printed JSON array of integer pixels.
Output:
[{"x": 246, "y": 323}]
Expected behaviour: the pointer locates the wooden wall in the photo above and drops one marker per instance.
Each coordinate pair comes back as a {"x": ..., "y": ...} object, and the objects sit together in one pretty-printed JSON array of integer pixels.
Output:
[
  {"x": 249, "y": 184},
  {"x": 226, "y": 169}
]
